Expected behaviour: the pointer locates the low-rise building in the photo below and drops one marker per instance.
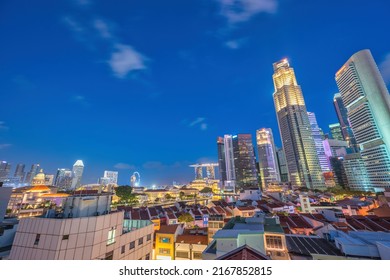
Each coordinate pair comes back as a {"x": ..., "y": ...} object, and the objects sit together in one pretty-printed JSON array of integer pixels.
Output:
[{"x": 165, "y": 241}]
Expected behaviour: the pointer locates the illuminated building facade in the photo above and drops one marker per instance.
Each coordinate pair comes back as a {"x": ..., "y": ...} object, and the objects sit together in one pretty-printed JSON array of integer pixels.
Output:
[
  {"x": 19, "y": 172},
  {"x": 317, "y": 137},
  {"x": 30, "y": 175},
  {"x": 282, "y": 164},
  {"x": 63, "y": 178},
  {"x": 78, "y": 169},
  {"x": 244, "y": 161},
  {"x": 226, "y": 163},
  {"x": 336, "y": 132},
  {"x": 367, "y": 100},
  {"x": 345, "y": 127},
  {"x": 268, "y": 163},
  {"x": 5, "y": 169},
  {"x": 294, "y": 126}
]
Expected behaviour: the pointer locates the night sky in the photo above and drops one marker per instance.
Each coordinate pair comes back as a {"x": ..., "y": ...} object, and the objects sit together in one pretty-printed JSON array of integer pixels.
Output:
[{"x": 148, "y": 85}]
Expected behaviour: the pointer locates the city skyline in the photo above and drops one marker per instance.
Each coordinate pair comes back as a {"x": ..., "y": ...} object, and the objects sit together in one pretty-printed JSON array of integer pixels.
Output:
[{"x": 147, "y": 124}]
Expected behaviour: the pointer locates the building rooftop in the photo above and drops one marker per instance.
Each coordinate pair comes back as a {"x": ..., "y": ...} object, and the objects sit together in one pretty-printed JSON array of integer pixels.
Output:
[
  {"x": 131, "y": 225},
  {"x": 308, "y": 245},
  {"x": 168, "y": 229},
  {"x": 244, "y": 252}
]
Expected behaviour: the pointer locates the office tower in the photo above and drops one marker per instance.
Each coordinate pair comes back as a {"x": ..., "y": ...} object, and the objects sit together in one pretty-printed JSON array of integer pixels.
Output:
[
  {"x": 63, "y": 178},
  {"x": 221, "y": 160},
  {"x": 244, "y": 161},
  {"x": 335, "y": 148},
  {"x": 78, "y": 169},
  {"x": 268, "y": 165},
  {"x": 339, "y": 171},
  {"x": 336, "y": 132},
  {"x": 282, "y": 165},
  {"x": 356, "y": 172},
  {"x": 367, "y": 100},
  {"x": 112, "y": 176},
  {"x": 31, "y": 174},
  {"x": 295, "y": 131},
  {"x": 226, "y": 163},
  {"x": 317, "y": 137},
  {"x": 342, "y": 115},
  {"x": 5, "y": 169},
  {"x": 19, "y": 172}
]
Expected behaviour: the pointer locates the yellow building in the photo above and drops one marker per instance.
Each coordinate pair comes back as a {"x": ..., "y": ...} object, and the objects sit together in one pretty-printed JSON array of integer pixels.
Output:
[{"x": 165, "y": 241}]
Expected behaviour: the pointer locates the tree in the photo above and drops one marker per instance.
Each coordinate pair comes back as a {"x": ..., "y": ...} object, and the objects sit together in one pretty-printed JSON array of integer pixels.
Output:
[
  {"x": 157, "y": 199},
  {"x": 185, "y": 218},
  {"x": 206, "y": 190},
  {"x": 124, "y": 193},
  {"x": 181, "y": 195},
  {"x": 168, "y": 196}
]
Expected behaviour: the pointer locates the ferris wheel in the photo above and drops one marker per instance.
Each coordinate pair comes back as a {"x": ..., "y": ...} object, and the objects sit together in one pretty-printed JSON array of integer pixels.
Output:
[{"x": 135, "y": 179}]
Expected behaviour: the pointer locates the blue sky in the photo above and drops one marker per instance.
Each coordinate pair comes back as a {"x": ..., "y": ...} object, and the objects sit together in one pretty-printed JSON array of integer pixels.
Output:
[{"x": 148, "y": 85}]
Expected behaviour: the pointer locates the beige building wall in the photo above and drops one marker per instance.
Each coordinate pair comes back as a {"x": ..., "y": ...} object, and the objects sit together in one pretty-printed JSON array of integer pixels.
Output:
[{"x": 80, "y": 239}]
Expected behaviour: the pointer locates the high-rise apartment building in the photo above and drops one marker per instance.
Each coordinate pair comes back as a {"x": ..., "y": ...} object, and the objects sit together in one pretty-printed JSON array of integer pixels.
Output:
[
  {"x": 78, "y": 169},
  {"x": 336, "y": 132},
  {"x": 367, "y": 101},
  {"x": 318, "y": 138},
  {"x": 345, "y": 127},
  {"x": 282, "y": 164},
  {"x": 245, "y": 161},
  {"x": 294, "y": 126},
  {"x": 268, "y": 162}
]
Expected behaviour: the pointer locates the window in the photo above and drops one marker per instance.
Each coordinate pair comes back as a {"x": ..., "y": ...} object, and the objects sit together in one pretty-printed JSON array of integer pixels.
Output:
[
  {"x": 163, "y": 251},
  {"x": 197, "y": 255},
  {"x": 183, "y": 255},
  {"x": 37, "y": 238},
  {"x": 132, "y": 245},
  {"x": 274, "y": 242},
  {"x": 111, "y": 236},
  {"x": 147, "y": 257},
  {"x": 141, "y": 241},
  {"x": 123, "y": 249},
  {"x": 65, "y": 237},
  {"x": 109, "y": 255},
  {"x": 149, "y": 237},
  {"x": 164, "y": 240}
]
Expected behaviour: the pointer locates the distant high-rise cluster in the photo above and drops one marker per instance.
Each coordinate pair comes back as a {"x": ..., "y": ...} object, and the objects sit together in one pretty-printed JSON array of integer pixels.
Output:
[{"x": 356, "y": 153}]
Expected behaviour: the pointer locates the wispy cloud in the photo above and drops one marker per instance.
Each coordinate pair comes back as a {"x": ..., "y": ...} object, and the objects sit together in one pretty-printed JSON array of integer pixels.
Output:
[
  {"x": 236, "y": 44},
  {"x": 124, "y": 166},
  {"x": 385, "y": 69},
  {"x": 198, "y": 122},
  {"x": 236, "y": 11},
  {"x": 5, "y": 146},
  {"x": 125, "y": 59},
  {"x": 158, "y": 165},
  {"x": 103, "y": 28},
  {"x": 3, "y": 126},
  {"x": 81, "y": 100}
]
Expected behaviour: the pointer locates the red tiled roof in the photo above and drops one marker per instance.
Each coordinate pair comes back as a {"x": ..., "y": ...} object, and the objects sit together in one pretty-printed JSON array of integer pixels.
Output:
[
  {"x": 169, "y": 229},
  {"x": 192, "y": 239}
]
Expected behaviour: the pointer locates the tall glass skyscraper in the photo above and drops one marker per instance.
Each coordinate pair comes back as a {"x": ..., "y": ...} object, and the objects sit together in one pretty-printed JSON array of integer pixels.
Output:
[
  {"x": 367, "y": 101},
  {"x": 226, "y": 163},
  {"x": 266, "y": 152},
  {"x": 317, "y": 137},
  {"x": 336, "y": 131},
  {"x": 346, "y": 130},
  {"x": 294, "y": 126},
  {"x": 245, "y": 161}
]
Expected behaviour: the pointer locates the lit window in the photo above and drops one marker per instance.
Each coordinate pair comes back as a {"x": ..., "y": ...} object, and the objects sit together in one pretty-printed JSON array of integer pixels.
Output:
[
  {"x": 163, "y": 251},
  {"x": 111, "y": 236},
  {"x": 164, "y": 240},
  {"x": 274, "y": 242}
]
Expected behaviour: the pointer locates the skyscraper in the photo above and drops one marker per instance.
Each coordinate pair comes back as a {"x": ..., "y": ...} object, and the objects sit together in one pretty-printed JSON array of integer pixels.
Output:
[
  {"x": 336, "y": 132},
  {"x": 244, "y": 161},
  {"x": 63, "y": 178},
  {"x": 294, "y": 126},
  {"x": 112, "y": 175},
  {"x": 317, "y": 137},
  {"x": 31, "y": 174},
  {"x": 342, "y": 115},
  {"x": 5, "y": 169},
  {"x": 268, "y": 163},
  {"x": 78, "y": 169},
  {"x": 19, "y": 172},
  {"x": 226, "y": 163},
  {"x": 282, "y": 164},
  {"x": 367, "y": 101}
]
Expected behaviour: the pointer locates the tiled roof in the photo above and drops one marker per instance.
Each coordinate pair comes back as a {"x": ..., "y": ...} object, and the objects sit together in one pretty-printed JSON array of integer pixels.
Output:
[
  {"x": 307, "y": 245},
  {"x": 244, "y": 252},
  {"x": 168, "y": 229},
  {"x": 192, "y": 239}
]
